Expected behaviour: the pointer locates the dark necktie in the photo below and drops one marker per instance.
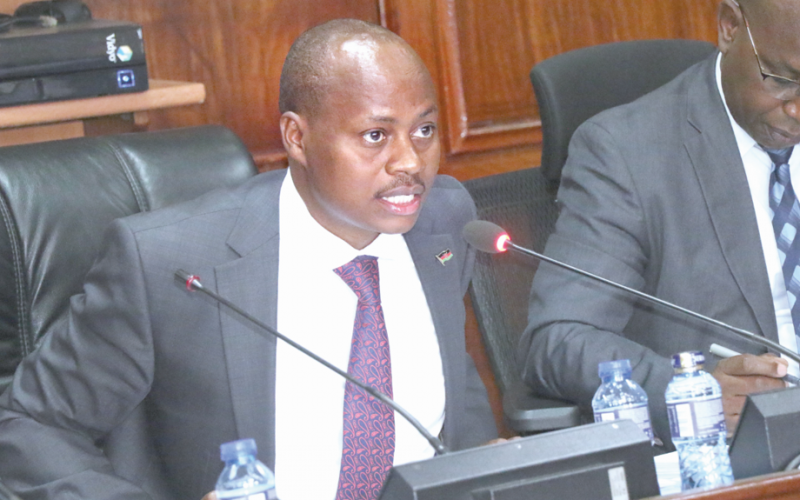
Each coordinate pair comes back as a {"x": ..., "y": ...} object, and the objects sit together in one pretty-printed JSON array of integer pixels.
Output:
[
  {"x": 785, "y": 222},
  {"x": 368, "y": 427}
]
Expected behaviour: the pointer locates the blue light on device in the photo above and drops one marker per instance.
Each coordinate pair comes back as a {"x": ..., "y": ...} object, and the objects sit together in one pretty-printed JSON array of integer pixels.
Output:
[{"x": 125, "y": 79}]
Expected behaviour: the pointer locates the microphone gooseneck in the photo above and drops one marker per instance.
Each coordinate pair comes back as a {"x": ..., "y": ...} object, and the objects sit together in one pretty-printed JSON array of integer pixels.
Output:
[
  {"x": 193, "y": 283},
  {"x": 483, "y": 235}
]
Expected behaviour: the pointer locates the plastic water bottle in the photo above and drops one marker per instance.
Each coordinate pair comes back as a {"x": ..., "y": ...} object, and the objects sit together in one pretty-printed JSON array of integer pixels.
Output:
[
  {"x": 620, "y": 397},
  {"x": 244, "y": 477},
  {"x": 697, "y": 424}
]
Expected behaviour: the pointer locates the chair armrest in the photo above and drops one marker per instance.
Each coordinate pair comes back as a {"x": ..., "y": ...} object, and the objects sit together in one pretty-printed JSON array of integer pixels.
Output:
[{"x": 527, "y": 413}]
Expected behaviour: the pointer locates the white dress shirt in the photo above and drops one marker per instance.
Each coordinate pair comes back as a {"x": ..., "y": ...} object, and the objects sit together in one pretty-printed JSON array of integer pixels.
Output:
[
  {"x": 758, "y": 167},
  {"x": 317, "y": 309}
]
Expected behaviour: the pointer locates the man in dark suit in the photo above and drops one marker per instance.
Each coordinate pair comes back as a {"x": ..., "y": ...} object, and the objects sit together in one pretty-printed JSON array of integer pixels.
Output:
[
  {"x": 670, "y": 195},
  {"x": 133, "y": 398}
]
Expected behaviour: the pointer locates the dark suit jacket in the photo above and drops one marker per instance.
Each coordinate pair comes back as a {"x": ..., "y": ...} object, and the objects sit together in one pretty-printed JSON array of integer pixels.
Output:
[
  {"x": 654, "y": 195},
  {"x": 159, "y": 376}
]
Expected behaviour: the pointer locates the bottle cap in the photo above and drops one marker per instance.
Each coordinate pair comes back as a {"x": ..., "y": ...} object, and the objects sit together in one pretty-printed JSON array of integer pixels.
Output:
[
  {"x": 688, "y": 360},
  {"x": 607, "y": 368},
  {"x": 231, "y": 450}
]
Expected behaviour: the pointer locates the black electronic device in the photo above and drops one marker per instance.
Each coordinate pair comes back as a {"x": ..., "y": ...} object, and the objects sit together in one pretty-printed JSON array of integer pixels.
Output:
[
  {"x": 74, "y": 60},
  {"x": 766, "y": 439},
  {"x": 602, "y": 461},
  {"x": 73, "y": 85},
  {"x": 95, "y": 44}
]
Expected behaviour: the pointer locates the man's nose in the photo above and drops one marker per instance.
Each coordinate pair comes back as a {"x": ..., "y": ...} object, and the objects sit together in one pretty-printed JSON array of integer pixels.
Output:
[{"x": 405, "y": 157}]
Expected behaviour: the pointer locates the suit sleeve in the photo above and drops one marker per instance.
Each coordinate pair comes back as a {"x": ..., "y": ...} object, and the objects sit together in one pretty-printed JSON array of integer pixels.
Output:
[
  {"x": 85, "y": 378},
  {"x": 576, "y": 323}
]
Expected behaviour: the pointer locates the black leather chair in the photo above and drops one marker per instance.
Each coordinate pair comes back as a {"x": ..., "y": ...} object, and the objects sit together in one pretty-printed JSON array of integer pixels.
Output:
[
  {"x": 524, "y": 204},
  {"x": 57, "y": 198},
  {"x": 570, "y": 88},
  {"x": 574, "y": 86}
]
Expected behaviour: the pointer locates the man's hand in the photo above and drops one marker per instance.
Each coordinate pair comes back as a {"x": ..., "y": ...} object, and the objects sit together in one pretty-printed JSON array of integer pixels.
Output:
[
  {"x": 211, "y": 495},
  {"x": 745, "y": 374},
  {"x": 501, "y": 440}
]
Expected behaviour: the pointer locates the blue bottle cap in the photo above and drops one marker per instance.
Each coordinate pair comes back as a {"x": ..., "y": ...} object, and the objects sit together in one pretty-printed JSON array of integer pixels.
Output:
[
  {"x": 231, "y": 450},
  {"x": 606, "y": 368},
  {"x": 688, "y": 360}
]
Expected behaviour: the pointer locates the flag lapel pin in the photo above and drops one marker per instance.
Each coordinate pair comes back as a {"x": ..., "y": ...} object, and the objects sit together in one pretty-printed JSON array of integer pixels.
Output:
[{"x": 444, "y": 256}]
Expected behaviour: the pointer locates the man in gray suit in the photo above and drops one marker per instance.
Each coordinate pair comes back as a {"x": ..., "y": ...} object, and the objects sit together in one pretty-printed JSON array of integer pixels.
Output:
[
  {"x": 134, "y": 396},
  {"x": 669, "y": 195}
]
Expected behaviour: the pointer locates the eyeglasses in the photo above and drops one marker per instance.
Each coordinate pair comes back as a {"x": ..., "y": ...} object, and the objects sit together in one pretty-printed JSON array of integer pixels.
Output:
[{"x": 778, "y": 87}]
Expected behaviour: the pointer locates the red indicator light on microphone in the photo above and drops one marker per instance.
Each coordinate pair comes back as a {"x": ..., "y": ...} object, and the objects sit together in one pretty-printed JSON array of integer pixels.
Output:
[
  {"x": 500, "y": 244},
  {"x": 190, "y": 281}
]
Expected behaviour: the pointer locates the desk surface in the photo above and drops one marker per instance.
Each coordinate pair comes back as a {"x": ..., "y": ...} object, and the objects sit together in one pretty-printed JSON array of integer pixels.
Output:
[{"x": 162, "y": 94}]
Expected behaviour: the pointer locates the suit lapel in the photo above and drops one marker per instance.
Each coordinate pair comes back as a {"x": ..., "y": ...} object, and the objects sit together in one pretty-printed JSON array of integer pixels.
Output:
[
  {"x": 252, "y": 283},
  {"x": 441, "y": 285},
  {"x": 712, "y": 149}
]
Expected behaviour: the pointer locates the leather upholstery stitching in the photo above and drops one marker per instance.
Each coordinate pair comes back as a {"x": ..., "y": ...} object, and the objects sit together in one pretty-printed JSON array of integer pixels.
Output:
[
  {"x": 23, "y": 327},
  {"x": 130, "y": 174}
]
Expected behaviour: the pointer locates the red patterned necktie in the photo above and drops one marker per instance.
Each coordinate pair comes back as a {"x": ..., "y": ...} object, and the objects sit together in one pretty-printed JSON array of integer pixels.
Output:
[{"x": 368, "y": 430}]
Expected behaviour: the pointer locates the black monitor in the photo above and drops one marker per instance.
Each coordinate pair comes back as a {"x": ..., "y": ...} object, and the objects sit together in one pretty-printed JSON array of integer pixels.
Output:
[
  {"x": 767, "y": 438},
  {"x": 603, "y": 461}
]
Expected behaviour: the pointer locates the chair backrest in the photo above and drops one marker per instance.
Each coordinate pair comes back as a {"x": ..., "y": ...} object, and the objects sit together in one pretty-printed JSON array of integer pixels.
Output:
[
  {"x": 576, "y": 85},
  {"x": 523, "y": 203},
  {"x": 57, "y": 198},
  {"x": 570, "y": 88}
]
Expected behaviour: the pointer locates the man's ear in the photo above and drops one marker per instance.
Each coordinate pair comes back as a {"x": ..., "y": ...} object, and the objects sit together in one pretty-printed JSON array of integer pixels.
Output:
[
  {"x": 729, "y": 20},
  {"x": 293, "y": 128}
]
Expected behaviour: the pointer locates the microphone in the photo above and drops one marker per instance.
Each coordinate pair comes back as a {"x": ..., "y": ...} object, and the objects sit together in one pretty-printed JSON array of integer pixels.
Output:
[
  {"x": 193, "y": 283},
  {"x": 491, "y": 238}
]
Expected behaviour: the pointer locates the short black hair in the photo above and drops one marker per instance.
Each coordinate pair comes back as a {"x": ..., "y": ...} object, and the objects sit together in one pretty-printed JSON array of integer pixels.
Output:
[{"x": 304, "y": 74}]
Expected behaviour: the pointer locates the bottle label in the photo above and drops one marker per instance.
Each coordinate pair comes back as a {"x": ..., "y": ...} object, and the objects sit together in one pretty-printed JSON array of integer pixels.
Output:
[
  {"x": 696, "y": 418},
  {"x": 637, "y": 413}
]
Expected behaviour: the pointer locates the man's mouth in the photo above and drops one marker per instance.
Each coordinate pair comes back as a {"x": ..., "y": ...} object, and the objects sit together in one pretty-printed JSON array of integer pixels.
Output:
[
  {"x": 403, "y": 200},
  {"x": 400, "y": 199},
  {"x": 785, "y": 136}
]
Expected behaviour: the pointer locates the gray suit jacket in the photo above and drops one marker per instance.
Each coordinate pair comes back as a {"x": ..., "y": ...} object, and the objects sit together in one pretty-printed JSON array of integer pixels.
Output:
[
  {"x": 136, "y": 394},
  {"x": 654, "y": 196}
]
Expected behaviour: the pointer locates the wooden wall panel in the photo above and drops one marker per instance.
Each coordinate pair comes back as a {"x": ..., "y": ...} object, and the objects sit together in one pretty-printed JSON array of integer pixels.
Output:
[{"x": 485, "y": 51}]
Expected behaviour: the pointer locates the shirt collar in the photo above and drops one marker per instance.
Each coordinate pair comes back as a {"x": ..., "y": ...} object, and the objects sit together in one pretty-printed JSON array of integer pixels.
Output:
[{"x": 319, "y": 244}]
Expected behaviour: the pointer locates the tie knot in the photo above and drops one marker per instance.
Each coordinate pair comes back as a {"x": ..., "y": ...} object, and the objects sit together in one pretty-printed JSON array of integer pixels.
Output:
[
  {"x": 779, "y": 156},
  {"x": 361, "y": 275}
]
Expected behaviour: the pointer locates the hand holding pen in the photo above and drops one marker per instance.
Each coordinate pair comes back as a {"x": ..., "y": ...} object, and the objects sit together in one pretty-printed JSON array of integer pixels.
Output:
[
  {"x": 724, "y": 352},
  {"x": 742, "y": 374}
]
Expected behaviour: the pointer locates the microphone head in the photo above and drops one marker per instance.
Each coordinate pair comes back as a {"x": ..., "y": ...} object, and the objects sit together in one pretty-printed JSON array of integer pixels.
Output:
[
  {"x": 486, "y": 236},
  {"x": 191, "y": 281}
]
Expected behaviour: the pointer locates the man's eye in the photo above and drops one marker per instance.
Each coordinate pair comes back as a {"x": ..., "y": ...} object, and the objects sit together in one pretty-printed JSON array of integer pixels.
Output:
[
  {"x": 425, "y": 131},
  {"x": 374, "y": 136}
]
